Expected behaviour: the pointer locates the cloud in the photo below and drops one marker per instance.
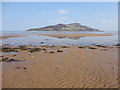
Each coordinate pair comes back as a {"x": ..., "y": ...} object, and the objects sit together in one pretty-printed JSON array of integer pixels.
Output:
[{"x": 62, "y": 11}]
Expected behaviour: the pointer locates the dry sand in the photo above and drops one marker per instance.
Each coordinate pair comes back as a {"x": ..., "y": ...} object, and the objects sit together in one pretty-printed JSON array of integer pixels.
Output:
[{"x": 73, "y": 68}]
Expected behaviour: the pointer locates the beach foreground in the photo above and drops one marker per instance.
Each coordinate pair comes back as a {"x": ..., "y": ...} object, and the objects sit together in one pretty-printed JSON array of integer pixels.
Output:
[{"x": 63, "y": 67}]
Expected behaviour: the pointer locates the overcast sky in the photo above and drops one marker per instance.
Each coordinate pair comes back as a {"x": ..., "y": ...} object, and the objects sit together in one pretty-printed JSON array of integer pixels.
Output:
[{"x": 20, "y": 16}]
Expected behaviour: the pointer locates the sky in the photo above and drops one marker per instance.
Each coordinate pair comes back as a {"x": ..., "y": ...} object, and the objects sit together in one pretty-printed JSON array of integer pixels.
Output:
[{"x": 20, "y": 16}]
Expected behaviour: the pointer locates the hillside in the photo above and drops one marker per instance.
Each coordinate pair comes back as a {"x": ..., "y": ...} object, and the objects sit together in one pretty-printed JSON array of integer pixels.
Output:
[{"x": 65, "y": 27}]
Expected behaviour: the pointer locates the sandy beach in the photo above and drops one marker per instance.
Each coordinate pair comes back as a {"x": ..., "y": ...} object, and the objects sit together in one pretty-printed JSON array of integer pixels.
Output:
[
  {"x": 59, "y": 44},
  {"x": 63, "y": 67}
]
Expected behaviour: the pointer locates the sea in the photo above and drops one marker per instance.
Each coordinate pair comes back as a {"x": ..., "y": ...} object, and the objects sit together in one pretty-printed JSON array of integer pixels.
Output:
[{"x": 32, "y": 38}]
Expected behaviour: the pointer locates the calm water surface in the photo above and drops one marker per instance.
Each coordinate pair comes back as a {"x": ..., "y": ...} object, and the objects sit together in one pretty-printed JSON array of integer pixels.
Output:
[{"x": 31, "y": 38}]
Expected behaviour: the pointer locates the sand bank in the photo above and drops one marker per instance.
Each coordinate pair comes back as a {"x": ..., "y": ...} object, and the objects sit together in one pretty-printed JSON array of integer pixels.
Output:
[
  {"x": 74, "y": 67},
  {"x": 75, "y": 35},
  {"x": 4, "y": 37}
]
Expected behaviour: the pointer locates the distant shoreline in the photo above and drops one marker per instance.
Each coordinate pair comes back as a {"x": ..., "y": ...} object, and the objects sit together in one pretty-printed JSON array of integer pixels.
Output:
[
  {"x": 74, "y": 35},
  {"x": 58, "y": 35}
]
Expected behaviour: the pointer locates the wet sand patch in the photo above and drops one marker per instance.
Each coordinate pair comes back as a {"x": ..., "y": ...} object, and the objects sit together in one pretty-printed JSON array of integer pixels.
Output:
[
  {"x": 12, "y": 36},
  {"x": 73, "y": 36}
]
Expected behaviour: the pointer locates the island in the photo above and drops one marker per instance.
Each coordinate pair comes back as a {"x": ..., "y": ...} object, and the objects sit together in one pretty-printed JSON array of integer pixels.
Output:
[{"x": 65, "y": 27}]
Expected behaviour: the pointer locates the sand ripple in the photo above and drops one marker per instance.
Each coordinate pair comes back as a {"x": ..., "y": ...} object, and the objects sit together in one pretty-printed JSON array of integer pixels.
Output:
[{"x": 73, "y": 68}]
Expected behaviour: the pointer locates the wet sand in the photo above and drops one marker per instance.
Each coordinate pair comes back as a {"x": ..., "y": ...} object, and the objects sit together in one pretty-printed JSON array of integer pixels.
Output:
[
  {"x": 0, "y": 75},
  {"x": 75, "y": 67},
  {"x": 74, "y": 35},
  {"x": 4, "y": 37}
]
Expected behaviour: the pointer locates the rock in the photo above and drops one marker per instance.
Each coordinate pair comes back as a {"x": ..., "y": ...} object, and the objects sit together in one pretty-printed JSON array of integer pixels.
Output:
[
  {"x": 101, "y": 46},
  {"x": 21, "y": 68},
  {"x": 51, "y": 52},
  {"x": 65, "y": 47},
  {"x": 42, "y": 42},
  {"x": 44, "y": 48},
  {"x": 34, "y": 50},
  {"x": 81, "y": 47},
  {"x": 92, "y": 48},
  {"x": 8, "y": 50},
  {"x": 117, "y": 44},
  {"x": 14, "y": 55},
  {"x": 23, "y": 47},
  {"x": 52, "y": 46},
  {"x": 4, "y": 59},
  {"x": 12, "y": 60},
  {"x": 47, "y": 39},
  {"x": 59, "y": 50},
  {"x": 24, "y": 68}
]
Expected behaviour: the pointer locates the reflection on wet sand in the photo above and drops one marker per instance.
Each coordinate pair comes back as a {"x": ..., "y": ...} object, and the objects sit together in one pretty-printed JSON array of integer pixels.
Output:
[
  {"x": 61, "y": 37},
  {"x": 73, "y": 36}
]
